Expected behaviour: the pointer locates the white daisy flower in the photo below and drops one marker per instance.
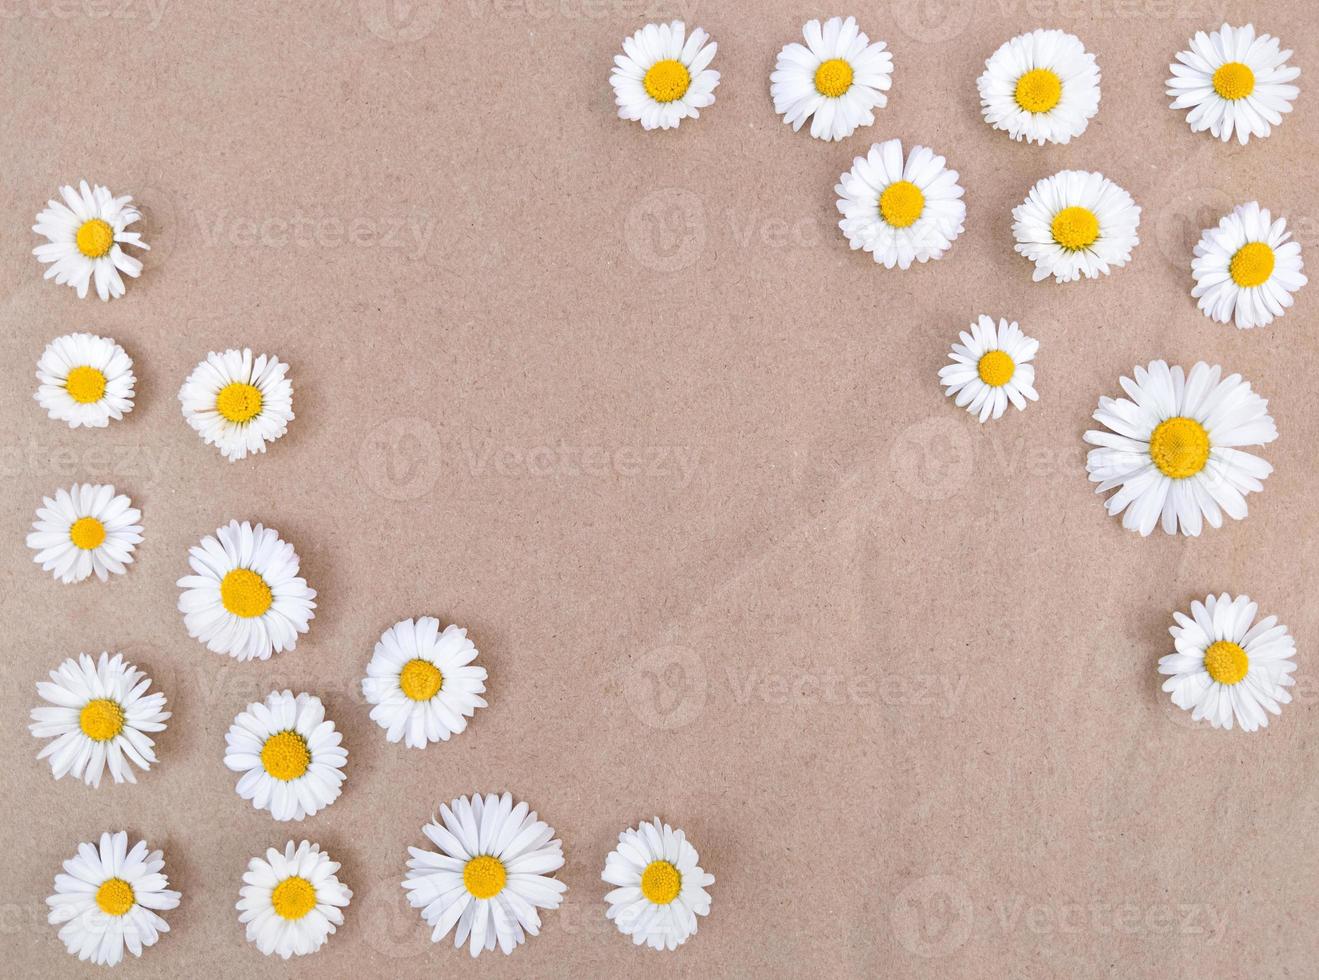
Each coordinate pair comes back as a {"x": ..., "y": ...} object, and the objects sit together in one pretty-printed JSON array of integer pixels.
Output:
[
  {"x": 1228, "y": 666},
  {"x": 1247, "y": 268},
  {"x": 108, "y": 898},
  {"x": 97, "y": 716},
  {"x": 85, "y": 380},
  {"x": 86, "y": 238},
  {"x": 659, "y": 889},
  {"x": 900, "y": 210},
  {"x": 292, "y": 902},
  {"x": 238, "y": 402},
  {"x": 490, "y": 876},
  {"x": 289, "y": 755},
  {"x": 990, "y": 368},
  {"x": 663, "y": 77},
  {"x": 421, "y": 682},
  {"x": 245, "y": 597},
  {"x": 1076, "y": 223},
  {"x": 1233, "y": 80},
  {"x": 1042, "y": 87},
  {"x": 1172, "y": 448},
  {"x": 836, "y": 80},
  {"x": 85, "y": 529}
]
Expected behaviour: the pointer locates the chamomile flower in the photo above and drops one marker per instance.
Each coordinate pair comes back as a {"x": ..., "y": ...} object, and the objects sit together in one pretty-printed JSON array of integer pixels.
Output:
[
  {"x": 85, "y": 237},
  {"x": 291, "y": 902},
  {"x": 663, "y": 76},
  {"x": 85, "y": 380},
  {"x": 900, "y": 209},
  {"x": 1076, "y": 223},
  {"x": 490, "y": 875},
  {"x": 1227, "y": 666},
  {"x": 659, "y": 889},
  {"x": 245, "y": 596},
  {"x": 1042, "y": 87},
  {"x": 1232, "y": 80},
  {"x": 109, "y": 898},
  {"x": 836, "y": 80},
  {"x": 1172, "y": 448},
  {"x": 289, "y": 755},
  {"x": 97, "y": 716},
  {"x": 238, "y": 402},
  {"x": 86, "y": 528},
  {"x": 990, "y": 368},
  {"x": 1247, "y": 268}
]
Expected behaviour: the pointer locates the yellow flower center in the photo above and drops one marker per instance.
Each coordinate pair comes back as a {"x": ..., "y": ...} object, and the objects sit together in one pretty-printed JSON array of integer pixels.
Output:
[
  {"x": 833, "y": 78},
  {"x": 87, "y": 533},
  {"x": 101, "y": 719},
  {"x": 1075, "y": 228},
  {"x": 94, "y": 238},
  {"x": 293, "y": 898},
  {"x": 667, "y": 80},
  {"x": 1234, "y": 80},
  {"x": 285, "y": 755},
  {"x": 1039, "y": 90},
  {"x": 996, "y": 368},
  {"x": 660, "y": 882},
  {"x": 484, "y": 876},
  {"x": 1226, "y": 662},
  {"x": 244, "y": 593},
  {"x": 115, "y": 896},
  {"x": 901, "y": 203},
  {"x": 1179, "y": 447},
  {"x": 421, "y": 680},
  {"x": 239, "y": 402},
  {"x": 1251, "y": 265},
  {"x": 85, "y": 385}
]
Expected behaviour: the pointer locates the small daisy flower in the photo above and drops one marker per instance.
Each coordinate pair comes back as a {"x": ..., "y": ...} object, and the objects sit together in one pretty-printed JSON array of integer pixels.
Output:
[
  {"x": 1247, "y": 268},
  {"x": 289, "y": 755},
  {"x": 85, "y": 240},
  {"x": 836, "y": 80},
  {"x": 1232, "y": 80},
  {"x": 97, "y": 717},
  {"x": 292, "y": 902},
  {"x": 109, "y": 897},
  {"x": 490, "y": 875},
  {"x": 1228, "y": 666},
  {"x": 663, "y": 77},
  {"x": 659, "y": 889},
  {"x": 237, "y": 402},
  {"x": 85, "y": 380},
  {"x": 900, "y": 209},
  {"x": 245, "y": 596},
  {"x": 1172, "y": 448},
  {"x": 1076, "y": 223},
  {"x": 990, "y": 368},
  {"x": 86, "y": 528},
  {"x": 1042, "y": 87}
]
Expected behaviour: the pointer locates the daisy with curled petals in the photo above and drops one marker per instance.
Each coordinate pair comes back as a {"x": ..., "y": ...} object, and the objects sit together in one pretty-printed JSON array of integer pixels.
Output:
[
  {"x": 86, "y": 528},
  {"x": 1247, "y": 268},
  {"x": 490, "y": 875},
  {"x": 238, "y": 402},
  {"x": 663, "y": 77},
  {"x": 990, "y": 368},
  {"x": 900, "y": 209},
  {"x": 85, "y": 380},
  {"x": 1232, "y": 80},
  {"x": 1042, "y": 87},
  {"x": 289, "y": 755},
  {"x": 836, "y": 80},
  {"x": 97, "y": 716},
  {"x": 291, "y": 902},
  {"x": 1171, "y": 448},
  {"x": 659, "y": 889},
  {"x": 108, "y": 899},
  {"x": 1076, "y": 223},
  {"x": 86, "y": 234},
  {"x": 1227, "y": 666}
]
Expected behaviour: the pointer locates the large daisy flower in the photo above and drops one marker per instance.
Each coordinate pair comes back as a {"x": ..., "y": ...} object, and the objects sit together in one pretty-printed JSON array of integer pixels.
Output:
[
  {"x": 661, "y": 79},
  {"x": 1247, "y": 268},
  {"x": 245, "y": 596},
  {"x": 1233, "y": 80},
  {"x": 86, "y": 234},
  {"x": 289, "y": 755},
  {"x": 1171, "y": 448},
  {"x": 990, "y": 367},
  {"x": 238, "y": 402},
  {"x": 1042, "y": 87},
  {"x": 85, "y": 380},
  {"x": 86, "y": 528},
  {"x": 1228, "y": 666},
  {"x": 97, "y": 716},
  {"x": 292, "y": 902},
  {"x": 1076, "y": 223},
  {"x": 900, "y": 210},
  {"x": 836, "y": 80},
  {"x": 659, "y": 889},
  {"x": 490, "y": 875},
  {"x": 108, "y": 898}
]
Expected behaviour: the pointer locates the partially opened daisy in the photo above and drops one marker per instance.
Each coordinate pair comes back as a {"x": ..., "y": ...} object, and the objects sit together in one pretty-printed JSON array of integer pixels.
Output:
[
  {"x": 1233, "y": 81},
  {"x": 990, "y": 367},
  {"x": 86, "y": 528},
  {"x": 1041, "y": 87},
  {"x": 108, "y": 899},
  {"x": 1171, "y": 448},
  {"x": 238, "y": 402},
  {"x": 291, "y": 902},
  {"x": 1247, "y": 268},
  {"x": 836, "y": 80},
  {"x": 490, "y": 875},
  {"x": 1076, "y": 223},
  {"x": 663, "y": 76},
  {"x": 289, "y": 755},
  {"x": 659, "y": 889},
  {"x": 900, "y": 209},
  {"x": 1227, "y": 666},
  {"x": 86, "y": 234},
  {"x": 85, "y": 380}
]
